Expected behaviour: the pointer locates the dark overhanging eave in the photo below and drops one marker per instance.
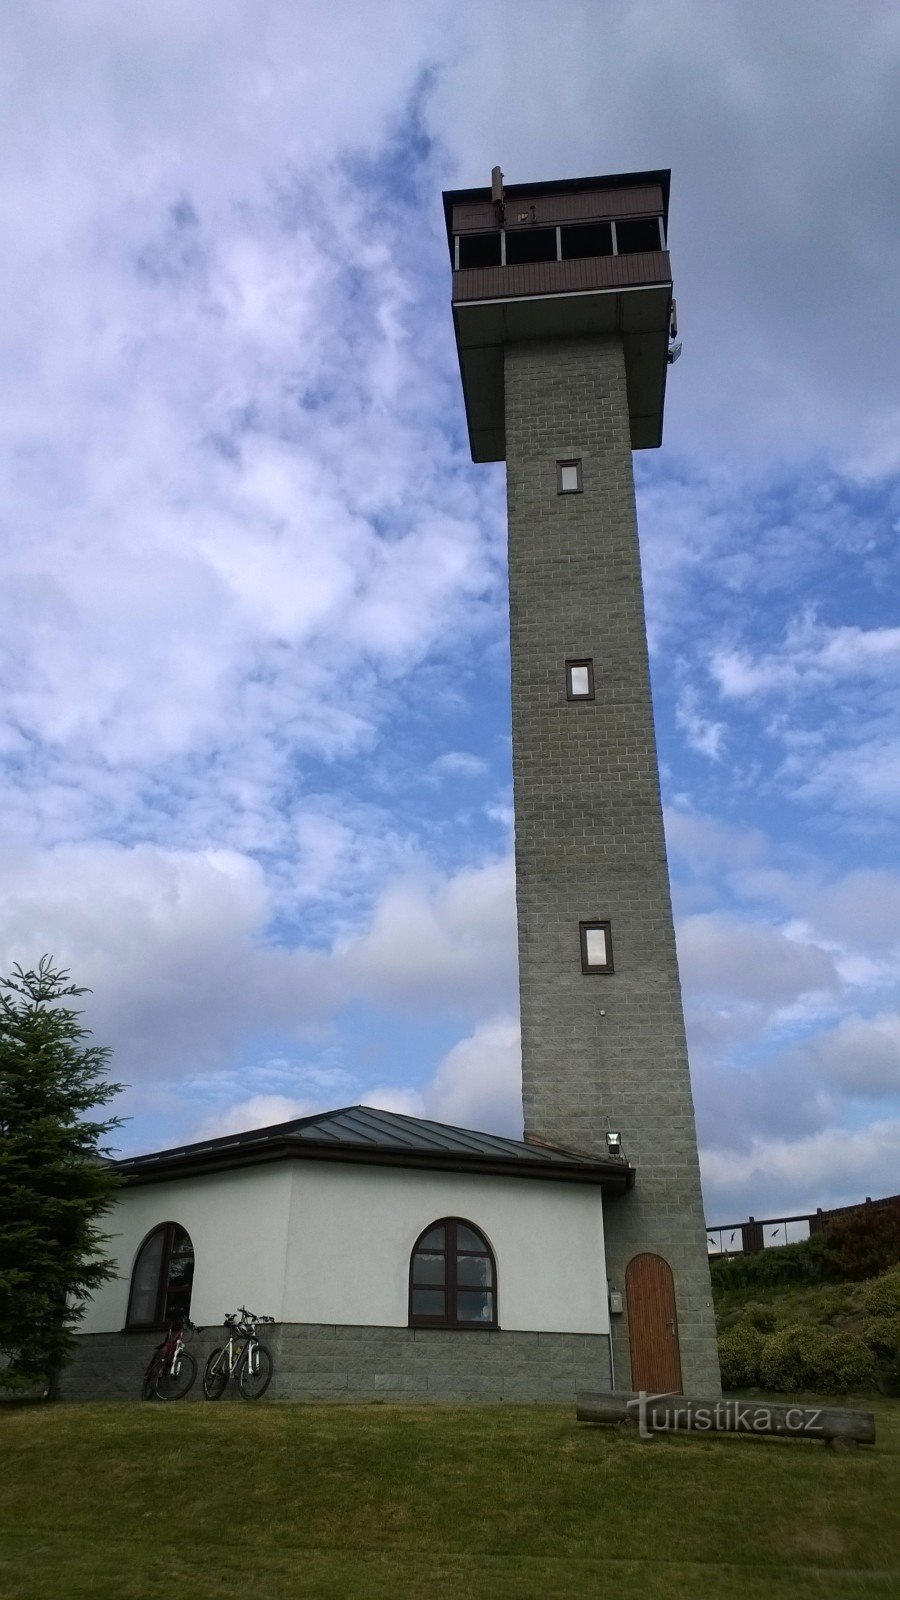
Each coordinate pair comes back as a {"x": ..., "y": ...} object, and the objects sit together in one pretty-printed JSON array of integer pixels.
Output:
[
  {"x": 607, "y": 180},
  {"x": 615, "y": 1176}
]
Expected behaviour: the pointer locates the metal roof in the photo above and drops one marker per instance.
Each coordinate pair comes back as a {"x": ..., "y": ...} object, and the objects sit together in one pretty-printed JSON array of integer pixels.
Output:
[{"x": 365, "y": 1134}]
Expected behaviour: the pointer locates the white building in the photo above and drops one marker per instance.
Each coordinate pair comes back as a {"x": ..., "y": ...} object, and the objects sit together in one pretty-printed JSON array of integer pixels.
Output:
[{"x": 398, "y": 1258}]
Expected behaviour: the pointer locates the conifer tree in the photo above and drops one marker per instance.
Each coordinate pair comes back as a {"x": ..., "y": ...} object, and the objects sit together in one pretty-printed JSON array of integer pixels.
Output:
[{"x": 55, "y": 1178}]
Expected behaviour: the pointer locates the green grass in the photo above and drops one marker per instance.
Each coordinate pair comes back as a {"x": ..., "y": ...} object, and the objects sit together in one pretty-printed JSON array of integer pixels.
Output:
[{"x": 277, "y": 1500}]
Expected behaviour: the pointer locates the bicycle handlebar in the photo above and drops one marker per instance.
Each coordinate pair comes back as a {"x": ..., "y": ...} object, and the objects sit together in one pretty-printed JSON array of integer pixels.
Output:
[{"x": 242, "y": 1315}]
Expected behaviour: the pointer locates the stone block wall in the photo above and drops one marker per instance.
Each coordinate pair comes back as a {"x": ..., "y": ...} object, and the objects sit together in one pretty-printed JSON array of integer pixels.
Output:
[
  {"x": 325, "y": 1362},
  {"x": 600, "y": 1051}
]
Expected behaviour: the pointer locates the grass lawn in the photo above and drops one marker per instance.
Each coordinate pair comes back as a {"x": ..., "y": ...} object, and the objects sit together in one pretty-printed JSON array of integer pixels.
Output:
[{"x": 274, "y": 1500}]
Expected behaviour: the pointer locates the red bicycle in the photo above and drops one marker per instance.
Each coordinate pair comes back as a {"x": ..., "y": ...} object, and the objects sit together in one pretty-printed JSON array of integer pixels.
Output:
[{"x": 172, "y": 1369}]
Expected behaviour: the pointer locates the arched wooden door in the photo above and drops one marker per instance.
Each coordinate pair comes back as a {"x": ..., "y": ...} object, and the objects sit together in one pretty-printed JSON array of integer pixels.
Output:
[{"x": 652, "y": 1325}]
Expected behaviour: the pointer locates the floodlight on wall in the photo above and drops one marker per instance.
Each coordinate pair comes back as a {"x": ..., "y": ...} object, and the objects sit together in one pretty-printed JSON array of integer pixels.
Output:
[{"x": 614, "y": 1144}]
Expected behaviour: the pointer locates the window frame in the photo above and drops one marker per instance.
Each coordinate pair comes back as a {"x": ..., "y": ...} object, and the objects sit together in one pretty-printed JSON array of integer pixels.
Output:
[
  {"x": 571, "y": 461},
  {"x": 583, "y": 929},
  {"x": 652, "y": 244},
  {"x": 159, "y": 1324},
  {"x": 450, "y": 1284},
  {"x": 580, "y": 661}
]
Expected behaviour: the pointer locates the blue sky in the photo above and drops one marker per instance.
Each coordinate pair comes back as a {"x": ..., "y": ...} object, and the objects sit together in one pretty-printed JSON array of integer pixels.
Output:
[{"x": 253, "y": 657}]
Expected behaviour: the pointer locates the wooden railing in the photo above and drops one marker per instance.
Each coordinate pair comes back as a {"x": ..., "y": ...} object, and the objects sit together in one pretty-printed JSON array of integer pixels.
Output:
[{"x": 759, "y": 1233}]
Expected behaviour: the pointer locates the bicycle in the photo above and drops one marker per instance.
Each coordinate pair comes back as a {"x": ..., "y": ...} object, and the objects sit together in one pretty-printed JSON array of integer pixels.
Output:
[
  {"x": 250, "y": 1361},
  {"x": 172, "y": 1369}
]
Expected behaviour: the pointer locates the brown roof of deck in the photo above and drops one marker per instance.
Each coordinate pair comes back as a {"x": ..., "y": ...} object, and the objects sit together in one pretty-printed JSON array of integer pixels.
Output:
[{"x": 661, "y": 179}]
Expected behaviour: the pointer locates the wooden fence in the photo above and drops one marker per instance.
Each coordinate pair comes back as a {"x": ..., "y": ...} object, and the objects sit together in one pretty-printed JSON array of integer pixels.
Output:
[{"x": 760, "y": 1233}]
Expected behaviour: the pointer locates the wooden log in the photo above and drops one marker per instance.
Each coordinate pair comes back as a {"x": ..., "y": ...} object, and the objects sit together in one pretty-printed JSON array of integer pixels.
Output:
[{"x": 678, "y": 1414}]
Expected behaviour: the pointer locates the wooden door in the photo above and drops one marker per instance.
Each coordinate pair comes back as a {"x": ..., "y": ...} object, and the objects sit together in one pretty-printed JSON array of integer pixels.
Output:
[{"x": 652, "y": 1325}]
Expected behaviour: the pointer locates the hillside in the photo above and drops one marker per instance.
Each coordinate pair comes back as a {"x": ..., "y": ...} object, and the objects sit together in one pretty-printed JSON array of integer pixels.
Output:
[
  {"x": 121, "y": 1501},
  {"x": 823, "y": 1315}
]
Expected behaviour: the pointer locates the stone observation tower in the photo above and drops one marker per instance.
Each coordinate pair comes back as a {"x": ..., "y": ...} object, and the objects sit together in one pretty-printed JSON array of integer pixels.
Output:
[{"x": 563, "y": 311}]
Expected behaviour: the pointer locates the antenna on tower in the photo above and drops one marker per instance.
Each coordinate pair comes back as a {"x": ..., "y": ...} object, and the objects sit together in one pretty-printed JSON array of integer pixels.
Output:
[{"x": 498, "y": 194}]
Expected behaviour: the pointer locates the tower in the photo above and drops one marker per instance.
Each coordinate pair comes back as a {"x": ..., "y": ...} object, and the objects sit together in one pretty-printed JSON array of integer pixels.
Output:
[{"x": 563, "y": 311}]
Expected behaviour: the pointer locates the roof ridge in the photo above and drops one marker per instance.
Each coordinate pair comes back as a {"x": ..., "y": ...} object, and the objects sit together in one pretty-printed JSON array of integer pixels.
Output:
[
  {"x": 292, "y": 1124},
  {"x": 320, "y": 1128}
]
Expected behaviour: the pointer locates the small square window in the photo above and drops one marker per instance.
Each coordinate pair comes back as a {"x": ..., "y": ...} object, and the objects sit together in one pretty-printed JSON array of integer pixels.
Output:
[
  {"x": 568, "y": 477},
  {"x": 596, "y": 947},
  {"x": 580, "y": 680}
]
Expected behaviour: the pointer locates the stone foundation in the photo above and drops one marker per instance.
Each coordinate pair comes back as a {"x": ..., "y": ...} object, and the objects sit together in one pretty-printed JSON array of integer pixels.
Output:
[{"x": 321, "y": 1361}]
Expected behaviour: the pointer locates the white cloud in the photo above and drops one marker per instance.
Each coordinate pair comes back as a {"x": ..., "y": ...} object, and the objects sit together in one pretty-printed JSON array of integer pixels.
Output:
[
  {"x": 862, "y": 1054},
  {"x": 174, "y": 947},
  {"x": 851, "y": 778},
  {"x": 750, "y": 961},
  {"x": 437, "y": 941},
  {"x": 829, "y": 1168},
  {"x": 479, "y": 1082},
  {"x": 702, "y": 734},
  {"x": 233, "y": 519},
  {"x": 811, "y": 657},
  {"x": 848, "y": 911},
  {"x": 258, "y": 1111},
  {"x": 458, "y": 764},
  {"x": 706, "y": 844}
]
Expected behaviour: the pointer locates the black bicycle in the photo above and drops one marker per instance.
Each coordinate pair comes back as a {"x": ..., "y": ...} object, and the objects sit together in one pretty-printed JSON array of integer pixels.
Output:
[
  {"x": 249, "y": 1361},
  {"x": 172, "y": 1369}
]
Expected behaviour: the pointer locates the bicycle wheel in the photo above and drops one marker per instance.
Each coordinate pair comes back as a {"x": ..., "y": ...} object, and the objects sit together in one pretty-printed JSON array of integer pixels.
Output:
[
  {"x": 256, "y": 1372},
  {"x": 175, "y": 1385},
  {"x": 216, "y": 1375},
  {"x": 148, "y": 1386}
]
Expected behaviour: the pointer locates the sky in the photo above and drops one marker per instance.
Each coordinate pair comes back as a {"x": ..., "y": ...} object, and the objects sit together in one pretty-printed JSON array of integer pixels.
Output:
[{"x": 254, "y": 718}]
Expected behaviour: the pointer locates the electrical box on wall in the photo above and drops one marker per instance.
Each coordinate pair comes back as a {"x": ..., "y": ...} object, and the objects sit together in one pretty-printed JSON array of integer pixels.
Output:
[{"x": 615, "y": 1303}]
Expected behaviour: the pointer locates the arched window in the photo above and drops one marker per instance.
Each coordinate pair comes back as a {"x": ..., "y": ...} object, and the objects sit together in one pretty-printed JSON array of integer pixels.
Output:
[
  {"x": 452, "y": 1278},
  {"x": 162, "y": 1278}
]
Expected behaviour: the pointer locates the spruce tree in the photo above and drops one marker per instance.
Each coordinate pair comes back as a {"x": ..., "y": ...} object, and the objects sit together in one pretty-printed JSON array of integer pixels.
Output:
[{"x": 55, "y": 1178}]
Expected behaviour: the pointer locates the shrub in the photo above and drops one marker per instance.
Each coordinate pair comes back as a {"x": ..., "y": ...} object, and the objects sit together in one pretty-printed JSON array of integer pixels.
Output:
[
  {"x": 889, "y": 1377},
  {"x": 847, "y": 1364},
  {"x": 882, "y": 1335},
  {"x": 862, "y": 1243},
  {"x": 760, "y": 1317},
  {"x": 881, "y": 1296},
  {"x": 788, "y": 1263},
  {"x": 806, "y": 1357},
  {"x": 740, "y": 1350},
  {"x": 857, "y": 1246},
  {"x": 788, "y": 1357}
]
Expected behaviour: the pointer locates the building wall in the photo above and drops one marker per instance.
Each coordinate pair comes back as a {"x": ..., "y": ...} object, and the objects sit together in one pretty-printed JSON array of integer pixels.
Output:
[
  {"x": 325, "y": 1248},
  {"x": 238, "y": 1223},
  {"x": 319, "y": 1242},
  {"x": 352, "y": 1230},
  {"x": 338, "y": 1362},
  {"x": 599, "y": 1051}
]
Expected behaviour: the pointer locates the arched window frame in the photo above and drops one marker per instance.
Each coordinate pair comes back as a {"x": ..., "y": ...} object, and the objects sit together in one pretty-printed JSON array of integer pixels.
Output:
[
  {"x": 451, "y": 1285},
  {"x": 170, "y": 1232}
]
